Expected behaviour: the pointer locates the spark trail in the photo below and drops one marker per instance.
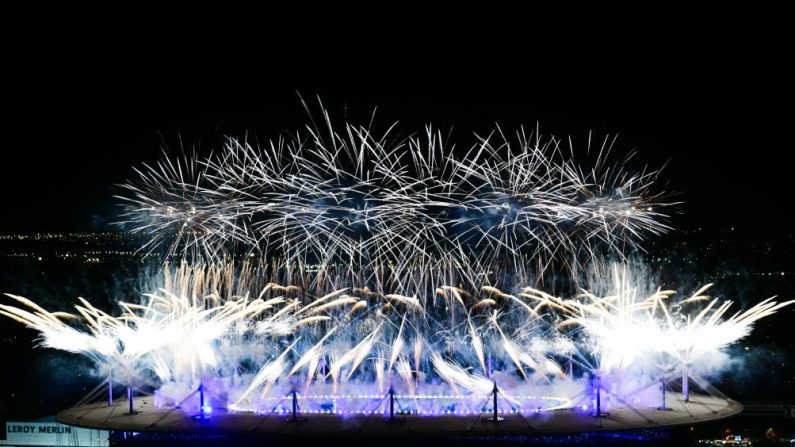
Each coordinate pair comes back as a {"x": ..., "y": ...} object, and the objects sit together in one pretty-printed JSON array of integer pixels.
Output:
[
  {"x": 251, "y": 342},
  {"x": 346, "y": 196}
]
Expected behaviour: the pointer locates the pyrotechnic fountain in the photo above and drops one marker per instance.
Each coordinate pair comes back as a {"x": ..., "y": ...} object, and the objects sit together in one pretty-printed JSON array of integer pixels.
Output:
[{"x": 384, "y": 274}]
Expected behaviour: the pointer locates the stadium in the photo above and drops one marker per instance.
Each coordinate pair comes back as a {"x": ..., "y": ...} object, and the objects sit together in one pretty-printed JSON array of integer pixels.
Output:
[{"x": 394, "y": 287}]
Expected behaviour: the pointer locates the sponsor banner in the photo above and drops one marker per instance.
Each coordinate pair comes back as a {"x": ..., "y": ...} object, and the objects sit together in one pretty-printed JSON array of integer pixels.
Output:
[{"x": 51, "y": 433}]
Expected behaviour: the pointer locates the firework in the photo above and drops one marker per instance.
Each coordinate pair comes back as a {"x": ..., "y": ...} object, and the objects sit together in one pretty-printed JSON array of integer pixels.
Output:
[
  {"x": 221, "y": 327},
  {"x": 395, "y": 266},
  {"x": 349, "y": 198}
]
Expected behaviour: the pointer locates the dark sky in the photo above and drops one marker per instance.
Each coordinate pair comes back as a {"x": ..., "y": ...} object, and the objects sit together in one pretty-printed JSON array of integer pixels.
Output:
[{"x": 708, "y": 91}]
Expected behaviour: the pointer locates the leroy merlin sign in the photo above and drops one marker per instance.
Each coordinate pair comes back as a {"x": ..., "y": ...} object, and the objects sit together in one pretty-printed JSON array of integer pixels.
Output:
[{"x": 50, "y": 433}]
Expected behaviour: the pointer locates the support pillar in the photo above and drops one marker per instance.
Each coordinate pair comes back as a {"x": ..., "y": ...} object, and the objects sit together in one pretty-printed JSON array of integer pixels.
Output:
[
  {"x": 294, "y": 408},
  {"x": 391, "y": 404},
  {"x": 598, "y": 384},
  {"x": 496, "y": 417},
  {"x": 201, "y": 401},
  {"x": 685, "y": 384},
  {"x": 662, "y": 393},
  {"x": 130, "y": 398}
]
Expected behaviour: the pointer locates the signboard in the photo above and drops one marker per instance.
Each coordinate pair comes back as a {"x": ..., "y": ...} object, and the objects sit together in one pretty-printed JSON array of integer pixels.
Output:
[{"x": 52, "y": 434}]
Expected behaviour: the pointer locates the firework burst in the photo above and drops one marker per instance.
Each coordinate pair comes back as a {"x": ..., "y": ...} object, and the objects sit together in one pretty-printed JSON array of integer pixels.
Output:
[{"x": 346, "y": 197}]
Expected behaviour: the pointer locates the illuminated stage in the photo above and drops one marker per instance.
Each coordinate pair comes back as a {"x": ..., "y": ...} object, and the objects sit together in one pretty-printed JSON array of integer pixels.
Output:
[{"x": 313, "y": 423}]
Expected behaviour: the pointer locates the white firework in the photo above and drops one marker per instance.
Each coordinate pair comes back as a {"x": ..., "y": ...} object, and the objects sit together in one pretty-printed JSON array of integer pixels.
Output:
[{"x": 344, "y": 197}]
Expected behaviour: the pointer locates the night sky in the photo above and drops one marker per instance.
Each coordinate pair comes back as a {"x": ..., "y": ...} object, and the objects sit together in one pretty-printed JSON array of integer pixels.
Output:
[{"x": 706, "y": 91}]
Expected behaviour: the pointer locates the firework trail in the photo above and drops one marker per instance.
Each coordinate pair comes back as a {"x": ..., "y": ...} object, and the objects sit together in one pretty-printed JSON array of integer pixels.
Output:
[
  {"x": 220, "y": 325},
  {"x": 627, "y": 331},
  {"x": 346, "y": 197}
]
